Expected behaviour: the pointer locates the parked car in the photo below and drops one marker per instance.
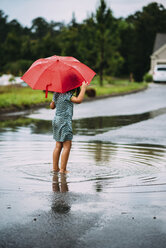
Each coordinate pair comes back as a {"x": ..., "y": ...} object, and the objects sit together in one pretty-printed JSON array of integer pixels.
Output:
[{"x": 159, "y": 74}]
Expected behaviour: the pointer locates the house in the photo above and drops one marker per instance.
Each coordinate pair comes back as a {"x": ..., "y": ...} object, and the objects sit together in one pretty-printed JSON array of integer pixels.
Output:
[{"x": 159, "y": 51}]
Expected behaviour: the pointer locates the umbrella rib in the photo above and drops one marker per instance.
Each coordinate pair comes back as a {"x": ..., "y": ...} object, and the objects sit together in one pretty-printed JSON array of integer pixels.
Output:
[
  {"x": 74, "y": 68},
  {"x": 78, "y": 72},
  {"x": 59, "y": 77},
  {"x": 42, "y": 74}
]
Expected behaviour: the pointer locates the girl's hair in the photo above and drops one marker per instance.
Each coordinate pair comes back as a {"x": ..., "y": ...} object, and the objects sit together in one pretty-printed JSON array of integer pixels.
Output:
[{"x": 77, "y": 91}]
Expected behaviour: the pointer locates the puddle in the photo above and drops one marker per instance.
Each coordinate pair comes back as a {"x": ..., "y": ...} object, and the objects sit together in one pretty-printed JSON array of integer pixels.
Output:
[
  {"x": 84, "y": 126},
  {"x": 99, "y": 166},
  {"x": 26, "y": 150}
]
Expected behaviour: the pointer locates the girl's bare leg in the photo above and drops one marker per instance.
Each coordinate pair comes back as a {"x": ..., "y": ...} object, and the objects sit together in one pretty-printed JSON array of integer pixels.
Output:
[
  {"x": 56, "y": 155},
  {"x": 65, "y": 155}
]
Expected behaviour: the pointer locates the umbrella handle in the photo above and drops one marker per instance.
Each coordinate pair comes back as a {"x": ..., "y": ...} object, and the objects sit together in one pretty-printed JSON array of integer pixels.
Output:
[{"x": 46, "y": 93}]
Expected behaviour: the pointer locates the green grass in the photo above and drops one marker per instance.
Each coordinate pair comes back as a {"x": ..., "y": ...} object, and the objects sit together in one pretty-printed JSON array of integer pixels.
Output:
[
  {"x": 15, "y": 97},
  {"x": 116, "y": 86},
  {"x": 21, "y": 97}
]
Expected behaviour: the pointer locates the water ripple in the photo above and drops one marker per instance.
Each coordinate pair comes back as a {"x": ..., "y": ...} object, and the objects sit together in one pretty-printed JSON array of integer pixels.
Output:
[{"x": 104, "y": 167}]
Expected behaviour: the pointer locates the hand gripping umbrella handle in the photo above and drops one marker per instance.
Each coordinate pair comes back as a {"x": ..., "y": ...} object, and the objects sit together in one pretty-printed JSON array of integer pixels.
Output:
[{"x": 46, "y": 93}]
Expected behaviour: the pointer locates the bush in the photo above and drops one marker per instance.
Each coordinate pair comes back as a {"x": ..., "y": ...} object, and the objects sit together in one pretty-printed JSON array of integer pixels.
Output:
[
  {"x": 148, "y": 78},
  {"x": 18, "y": 67},
  {"x": 12, "y": 79},
  {"x": 90, "y": 92}
]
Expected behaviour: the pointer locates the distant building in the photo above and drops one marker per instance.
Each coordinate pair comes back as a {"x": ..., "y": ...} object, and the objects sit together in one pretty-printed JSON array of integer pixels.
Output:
[{"x": 159, "y": 51}]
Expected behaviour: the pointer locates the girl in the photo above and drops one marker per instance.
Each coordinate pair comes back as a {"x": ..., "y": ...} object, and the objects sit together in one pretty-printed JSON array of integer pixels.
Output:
[{"x": 62, "y": 125}]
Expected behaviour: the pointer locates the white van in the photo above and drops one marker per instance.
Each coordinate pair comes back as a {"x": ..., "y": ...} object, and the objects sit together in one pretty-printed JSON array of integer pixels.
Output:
[{"x": 159, "y": 74}]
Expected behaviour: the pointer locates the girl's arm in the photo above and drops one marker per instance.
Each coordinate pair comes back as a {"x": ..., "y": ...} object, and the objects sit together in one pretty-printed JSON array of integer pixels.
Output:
[{"x": 80, "y": 97}]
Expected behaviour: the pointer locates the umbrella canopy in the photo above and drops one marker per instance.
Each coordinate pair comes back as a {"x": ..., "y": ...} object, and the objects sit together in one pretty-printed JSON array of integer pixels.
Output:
[{"x": 58, "y": 74}]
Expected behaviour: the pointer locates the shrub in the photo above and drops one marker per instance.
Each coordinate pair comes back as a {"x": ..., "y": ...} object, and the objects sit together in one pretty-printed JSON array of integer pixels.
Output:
[
  {"x": 90, "y": 92},
  {"x": 12, "y": 79},
  {"x": 148, "y": 78}
]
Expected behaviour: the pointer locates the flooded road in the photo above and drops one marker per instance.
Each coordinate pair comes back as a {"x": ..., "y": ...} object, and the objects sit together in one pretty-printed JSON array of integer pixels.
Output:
[{"x": 115, "y": 193}]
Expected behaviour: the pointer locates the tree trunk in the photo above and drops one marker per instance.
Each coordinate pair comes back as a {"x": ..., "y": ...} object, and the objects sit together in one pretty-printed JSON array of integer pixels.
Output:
[
  {"x": 101, "y": 62},
  {"x": 101, "y": 77}
]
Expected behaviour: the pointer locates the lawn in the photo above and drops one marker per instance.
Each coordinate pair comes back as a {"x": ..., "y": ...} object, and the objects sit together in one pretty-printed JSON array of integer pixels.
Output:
[
  {"x": 21, "y": 97},
  {"x": 116, "y": 86}
]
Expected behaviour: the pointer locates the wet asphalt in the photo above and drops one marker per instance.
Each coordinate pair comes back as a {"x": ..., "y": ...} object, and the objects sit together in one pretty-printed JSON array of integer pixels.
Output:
[{"x": 115, "y": 193}]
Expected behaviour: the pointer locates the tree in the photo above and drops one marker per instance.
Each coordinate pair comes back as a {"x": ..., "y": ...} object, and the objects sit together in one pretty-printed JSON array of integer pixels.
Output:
[
  {"x": 3, "y": 26},
  {"x": 26, "y": 52},
  {"x": 87, "y": 50},
  {"x": 126, "y": 35},
  {"x": 3, "y": 32},
  {"x": 39, "y": 27},
  {"x": 15, "y": 27},
  {"x": 107, "y": 41},
  {"x": 11, "y": 47},
  {"x": 51, "y": 45},
  {"x": 103, "y": 16}
]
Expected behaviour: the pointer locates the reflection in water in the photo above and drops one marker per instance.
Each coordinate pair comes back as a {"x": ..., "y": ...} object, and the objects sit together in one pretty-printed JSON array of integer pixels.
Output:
[
  {"x": 103, "y": 155},
  {"x": 102, "y": 124},
  {"x": 60, "y": 202},
  {"x": 98, "y": 187},
  {"x": 36, "y": 126},
  {"x": 59, "y": 186},
  {"x": 101, "y": 152},
  {"x": 85, "y": 126}
]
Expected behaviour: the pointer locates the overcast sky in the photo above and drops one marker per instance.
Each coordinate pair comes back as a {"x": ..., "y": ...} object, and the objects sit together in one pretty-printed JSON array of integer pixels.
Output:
[{"x": 61, "y": 10}]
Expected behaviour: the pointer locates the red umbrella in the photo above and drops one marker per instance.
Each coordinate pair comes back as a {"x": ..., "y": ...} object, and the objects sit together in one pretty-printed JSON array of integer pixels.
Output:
[{"x": 58, "y": 74}]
